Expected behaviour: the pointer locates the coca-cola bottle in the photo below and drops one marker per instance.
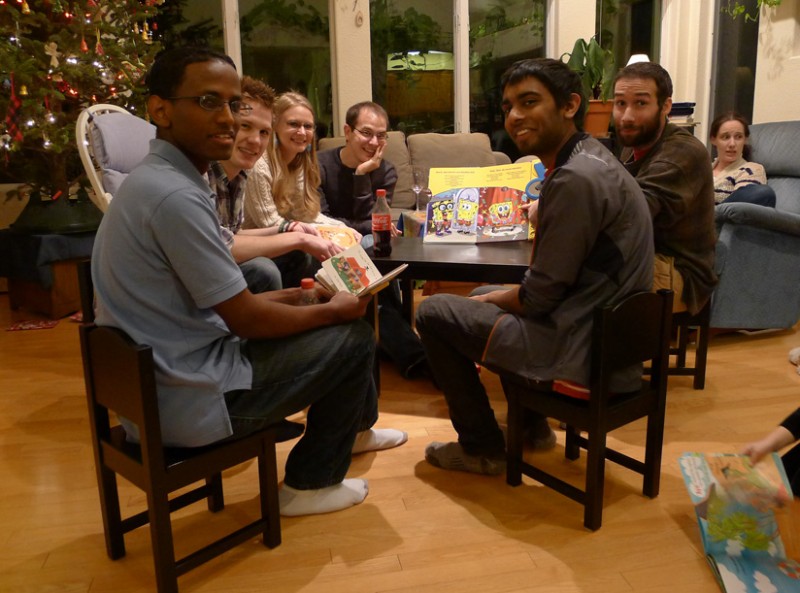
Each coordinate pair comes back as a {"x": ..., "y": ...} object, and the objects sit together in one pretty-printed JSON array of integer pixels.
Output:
[{"x": 381, "y": 225}]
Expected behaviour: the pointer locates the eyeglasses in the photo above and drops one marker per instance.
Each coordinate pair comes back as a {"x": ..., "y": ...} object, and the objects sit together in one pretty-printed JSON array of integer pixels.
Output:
[
  {"x": 369, "y": 135},
  {"x": 296, "y": 125},
  {"x": 214, "y": 103}
]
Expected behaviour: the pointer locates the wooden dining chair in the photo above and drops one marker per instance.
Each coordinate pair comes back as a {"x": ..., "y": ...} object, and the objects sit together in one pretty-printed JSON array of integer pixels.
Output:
[
  {"x": 120, "y": 381},
  {"x": 633, "y": 331}
]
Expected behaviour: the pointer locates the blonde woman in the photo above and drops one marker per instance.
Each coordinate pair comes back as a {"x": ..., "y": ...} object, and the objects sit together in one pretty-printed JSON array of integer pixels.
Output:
[{"x": 282, "y": 188}]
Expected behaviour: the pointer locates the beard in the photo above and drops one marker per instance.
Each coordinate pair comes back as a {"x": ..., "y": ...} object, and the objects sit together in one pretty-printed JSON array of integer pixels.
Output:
[{"x": 643, "y": 135}]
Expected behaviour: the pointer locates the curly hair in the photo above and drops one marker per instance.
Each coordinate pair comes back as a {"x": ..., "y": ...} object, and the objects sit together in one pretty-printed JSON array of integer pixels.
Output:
[{"x": 304, "y": 206}]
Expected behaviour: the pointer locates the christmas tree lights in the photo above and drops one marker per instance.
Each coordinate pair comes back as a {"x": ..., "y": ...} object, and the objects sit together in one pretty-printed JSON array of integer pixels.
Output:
[{"x": 57, "y": 57}]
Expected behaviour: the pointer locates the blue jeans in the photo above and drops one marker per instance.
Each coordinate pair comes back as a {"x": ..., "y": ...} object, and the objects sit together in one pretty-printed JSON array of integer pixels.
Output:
[
  {"x": 328, "y": 369},
  {"x": 296, "y": 265},
  {"x": 261, "y": 274},
  {"x": 455, "y": 331},
  {"x": 763, "y": 195},
  {"x": 397, "y": 340}
]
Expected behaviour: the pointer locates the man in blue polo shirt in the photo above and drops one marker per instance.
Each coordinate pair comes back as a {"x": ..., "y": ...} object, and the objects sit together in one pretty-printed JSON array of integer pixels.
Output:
[{"x": 229, "y": 361}]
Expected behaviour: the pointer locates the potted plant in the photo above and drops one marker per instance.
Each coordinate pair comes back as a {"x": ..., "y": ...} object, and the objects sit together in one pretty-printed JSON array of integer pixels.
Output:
[{"x": 596, "y": 67}]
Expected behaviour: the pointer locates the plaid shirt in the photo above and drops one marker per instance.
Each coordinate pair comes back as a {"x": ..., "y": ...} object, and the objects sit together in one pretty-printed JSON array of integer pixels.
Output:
[{"x": 229, "y": 200}]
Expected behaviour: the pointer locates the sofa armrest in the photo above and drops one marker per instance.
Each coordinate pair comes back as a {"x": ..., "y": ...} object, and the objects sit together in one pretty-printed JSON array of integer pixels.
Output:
[{"x": 758, "y": 216}]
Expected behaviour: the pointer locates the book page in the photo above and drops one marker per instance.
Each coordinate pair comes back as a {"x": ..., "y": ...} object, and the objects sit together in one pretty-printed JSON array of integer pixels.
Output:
[
  {"x": 742, "y": 512},
  {"x": 343, "y": 236},
  {"x": 479, "y": 204},
  {"x": 353, "y": 271}
]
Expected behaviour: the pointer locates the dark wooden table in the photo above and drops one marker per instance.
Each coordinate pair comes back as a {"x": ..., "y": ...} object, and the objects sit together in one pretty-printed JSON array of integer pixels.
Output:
[{"x": 496, "y": 263}]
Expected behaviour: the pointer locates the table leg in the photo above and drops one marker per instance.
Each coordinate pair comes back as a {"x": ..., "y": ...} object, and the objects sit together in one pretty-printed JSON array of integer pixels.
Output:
[
  {"x": 372, "y": 318},
  {"x": 407, "y": 296}
]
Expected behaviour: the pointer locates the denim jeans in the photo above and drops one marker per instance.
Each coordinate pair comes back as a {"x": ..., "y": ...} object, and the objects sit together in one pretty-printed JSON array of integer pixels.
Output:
[
  {"x": 455, "y": 331},
  {"x": 763, "y": 195},
  {"x": 397, "y": 340},
  {"x": 328, "y": 369},
  {"x": 261, "y": 274},
  {"x": 296, "y": 265}
]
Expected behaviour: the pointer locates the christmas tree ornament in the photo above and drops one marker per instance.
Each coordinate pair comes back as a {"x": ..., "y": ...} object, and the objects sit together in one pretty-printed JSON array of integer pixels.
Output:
[
  {"x": 25, "y": 8},
  {"x": 84, "y": 47},
  {"x": 51, "y": 49},
  {"x": 107, "y": 77},
  {"x": 23, "y": 91},
  {"x": 98, "y": 48}
]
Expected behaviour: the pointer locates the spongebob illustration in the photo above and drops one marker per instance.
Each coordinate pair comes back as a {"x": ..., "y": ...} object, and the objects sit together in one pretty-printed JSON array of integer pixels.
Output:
[
  {"x": 466, "y": 211},
  {"x": 501, "y": 215},
  {"x": 442, "y": 216}
]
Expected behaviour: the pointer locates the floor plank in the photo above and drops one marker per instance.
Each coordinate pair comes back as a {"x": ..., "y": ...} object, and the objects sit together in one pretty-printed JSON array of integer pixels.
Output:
[{"x": 420, "y": 529}]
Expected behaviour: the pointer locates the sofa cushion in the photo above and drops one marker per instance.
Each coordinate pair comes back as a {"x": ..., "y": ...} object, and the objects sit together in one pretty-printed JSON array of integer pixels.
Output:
[
  {"x": 119, "y": 143},
  {"x": 451, "y": 150}
]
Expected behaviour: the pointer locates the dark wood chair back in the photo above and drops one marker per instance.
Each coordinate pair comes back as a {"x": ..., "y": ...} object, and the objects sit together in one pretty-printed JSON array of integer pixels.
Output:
[{"x": 635, "y": 330}]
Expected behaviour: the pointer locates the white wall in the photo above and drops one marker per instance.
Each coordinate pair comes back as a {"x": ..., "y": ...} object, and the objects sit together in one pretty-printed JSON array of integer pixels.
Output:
[
  {"x": 777, "y": 94},
  {"x": 687, "y": 41},
  {"x": 351, "y": 60},
  {"x": 566, "y": 21}
]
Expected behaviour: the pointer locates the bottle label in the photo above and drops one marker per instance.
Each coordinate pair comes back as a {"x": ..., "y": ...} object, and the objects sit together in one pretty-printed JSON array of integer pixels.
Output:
[{"x": 381, "y": 222}]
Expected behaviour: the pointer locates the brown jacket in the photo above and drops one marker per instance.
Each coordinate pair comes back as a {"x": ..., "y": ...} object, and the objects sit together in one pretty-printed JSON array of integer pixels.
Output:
[{"x": 676, "y": 178}]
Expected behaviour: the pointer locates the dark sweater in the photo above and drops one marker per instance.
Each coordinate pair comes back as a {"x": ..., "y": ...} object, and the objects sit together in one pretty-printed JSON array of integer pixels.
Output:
[
  {"x": 349, "y": 197},
  {"x": 676, "y": 178},
  {"x": 792, "y": 424}
]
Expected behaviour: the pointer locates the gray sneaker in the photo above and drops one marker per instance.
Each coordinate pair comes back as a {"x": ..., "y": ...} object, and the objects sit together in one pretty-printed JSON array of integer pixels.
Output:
[{"x": 451, "y": 456}]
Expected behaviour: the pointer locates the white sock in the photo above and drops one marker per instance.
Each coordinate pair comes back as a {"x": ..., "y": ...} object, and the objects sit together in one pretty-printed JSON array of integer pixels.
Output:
[
  {"x": 346, "y": 494},
  {"x": 376, "y": 439}
]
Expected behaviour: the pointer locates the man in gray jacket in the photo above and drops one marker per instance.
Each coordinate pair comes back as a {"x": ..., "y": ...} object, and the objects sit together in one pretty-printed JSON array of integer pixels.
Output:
[{"x": 594, "y": 245}]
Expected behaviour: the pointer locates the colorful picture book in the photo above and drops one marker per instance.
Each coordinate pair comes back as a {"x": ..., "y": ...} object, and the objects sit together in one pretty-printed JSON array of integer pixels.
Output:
[
  {"x": 749, "y": 521},
  {"x": 481, "y": 204},
  {"x": 343, "y": 236},
  {"x": 353, "y": 271}
]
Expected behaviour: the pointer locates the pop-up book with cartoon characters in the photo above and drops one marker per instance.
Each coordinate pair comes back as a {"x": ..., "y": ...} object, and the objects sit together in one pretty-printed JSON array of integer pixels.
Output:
[
  {"x": 749, "y": 520},
  {"x": 481, "y": 204},
  {"x": 353, "y": 271}
]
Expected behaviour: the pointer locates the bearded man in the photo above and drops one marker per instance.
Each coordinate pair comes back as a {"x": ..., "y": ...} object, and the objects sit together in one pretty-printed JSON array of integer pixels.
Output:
[{"x": 673, "y": 168}]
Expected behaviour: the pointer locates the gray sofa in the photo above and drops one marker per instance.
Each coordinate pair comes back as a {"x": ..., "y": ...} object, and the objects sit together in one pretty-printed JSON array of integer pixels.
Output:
[
  {"x": 758, "y": 249},
  {"x": 429, "y": 150}
]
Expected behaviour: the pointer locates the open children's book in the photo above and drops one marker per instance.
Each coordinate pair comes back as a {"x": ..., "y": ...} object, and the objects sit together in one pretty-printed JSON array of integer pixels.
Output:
[
  {"x": 480, "y": 204},
  {"x": 749, "y": 521},
  {"x": 353, "y": 271}
]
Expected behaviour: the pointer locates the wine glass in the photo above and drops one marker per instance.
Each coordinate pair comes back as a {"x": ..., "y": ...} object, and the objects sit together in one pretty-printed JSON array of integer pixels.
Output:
[{"x": 420, "y": 175}]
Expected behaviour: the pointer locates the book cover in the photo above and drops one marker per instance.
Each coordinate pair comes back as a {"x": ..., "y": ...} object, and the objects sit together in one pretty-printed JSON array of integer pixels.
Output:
[
  {"x": 747, "y": 518},
  {"x": 480, "y": 204},
  {"x": 353, "y": 271}
]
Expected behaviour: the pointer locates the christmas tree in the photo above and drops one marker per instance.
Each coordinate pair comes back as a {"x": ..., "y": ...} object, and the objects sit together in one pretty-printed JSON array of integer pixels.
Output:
[{"x": 58, "y": 57}]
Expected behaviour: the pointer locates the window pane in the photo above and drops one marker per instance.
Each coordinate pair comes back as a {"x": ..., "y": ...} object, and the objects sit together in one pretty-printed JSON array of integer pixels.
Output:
[
  {"x": 630, "y": 27},
  {"x": 500, "y": 33},
  {"x": 412, "y": 63},
  {"x": 286, "y": 45},
  {"x": 191, "y": 22}
]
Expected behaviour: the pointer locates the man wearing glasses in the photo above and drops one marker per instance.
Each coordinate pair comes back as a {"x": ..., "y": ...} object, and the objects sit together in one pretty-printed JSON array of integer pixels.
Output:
[
  {"x": 350, "y": 175},
  {"x": 349, "y": 178},
  {"x": 229, "y": 361}
]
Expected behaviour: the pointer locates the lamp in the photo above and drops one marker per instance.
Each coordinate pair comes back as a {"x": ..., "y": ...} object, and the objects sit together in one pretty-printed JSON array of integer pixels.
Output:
[{"x": 638, "y": 58}]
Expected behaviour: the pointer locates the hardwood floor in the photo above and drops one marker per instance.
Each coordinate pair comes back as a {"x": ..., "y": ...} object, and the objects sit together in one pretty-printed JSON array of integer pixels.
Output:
[{"x": 420, "y": 529}]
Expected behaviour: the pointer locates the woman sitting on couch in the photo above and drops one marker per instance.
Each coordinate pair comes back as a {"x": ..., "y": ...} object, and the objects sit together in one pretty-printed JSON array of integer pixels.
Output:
[{"x": 736, "y": 178}]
